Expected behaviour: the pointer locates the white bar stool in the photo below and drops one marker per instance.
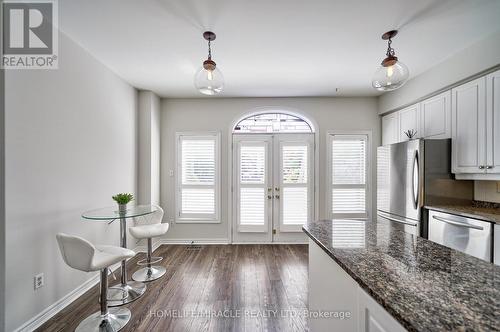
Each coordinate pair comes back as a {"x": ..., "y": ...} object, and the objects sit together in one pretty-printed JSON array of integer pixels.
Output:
[
  {"x": 153, "y": 228},
  {"x": 82, "y": 255}
]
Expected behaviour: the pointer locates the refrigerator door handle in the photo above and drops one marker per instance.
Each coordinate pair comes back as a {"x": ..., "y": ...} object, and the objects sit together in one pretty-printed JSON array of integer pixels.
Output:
[
  {"x": 397, "y": 220},
  {"x": 415, "y": 167}
]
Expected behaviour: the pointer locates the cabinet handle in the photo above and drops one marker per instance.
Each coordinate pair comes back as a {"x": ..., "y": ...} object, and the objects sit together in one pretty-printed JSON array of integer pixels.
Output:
[
  {"x": 277, "y": 196},
  {"x": 481, "y": 167},
  {"x": 489, "y": 167}
]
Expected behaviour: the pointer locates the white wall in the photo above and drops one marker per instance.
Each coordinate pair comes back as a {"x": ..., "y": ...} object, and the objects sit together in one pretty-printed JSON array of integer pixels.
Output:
[
  {"x": 472, "y": 60},
  {"x": 70, "y": 145},
  {"x": 149, "y": 148},
  {"x": 2, "y": 200},
  {"x": 488, "y": 191},
  {"x": 218, "y": 114}
]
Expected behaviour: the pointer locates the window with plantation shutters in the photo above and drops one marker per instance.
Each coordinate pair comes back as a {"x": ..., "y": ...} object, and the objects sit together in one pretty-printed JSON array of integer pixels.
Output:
[
  {"x": 198, "y": 177},
  {"x": 348, "y": 170}
]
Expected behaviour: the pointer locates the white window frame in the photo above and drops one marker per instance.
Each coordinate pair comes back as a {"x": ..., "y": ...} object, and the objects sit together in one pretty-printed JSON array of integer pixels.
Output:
[
  {"x": 204, "y": 219},
  {"x": 368, "y": 176}
]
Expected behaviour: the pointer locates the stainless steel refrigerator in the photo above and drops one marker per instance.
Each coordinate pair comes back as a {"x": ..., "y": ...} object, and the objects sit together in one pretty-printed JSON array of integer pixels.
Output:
[{"x": 413, "y": 174}]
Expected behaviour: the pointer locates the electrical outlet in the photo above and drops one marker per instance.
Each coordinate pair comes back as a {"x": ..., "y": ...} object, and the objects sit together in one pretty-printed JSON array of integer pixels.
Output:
[
  {"x": 39, "y": 281},
  {"x": 171, "y": 172}
]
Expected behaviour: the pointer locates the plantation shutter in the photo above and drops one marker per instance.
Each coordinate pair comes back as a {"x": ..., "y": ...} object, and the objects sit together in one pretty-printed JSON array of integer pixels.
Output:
[
  {"x": 198, "y": 178},
  {"x": 348, "y": 175}
]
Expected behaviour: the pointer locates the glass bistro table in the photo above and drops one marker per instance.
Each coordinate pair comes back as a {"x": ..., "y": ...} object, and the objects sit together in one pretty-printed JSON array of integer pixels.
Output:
[{"x": 127, "y": 291}]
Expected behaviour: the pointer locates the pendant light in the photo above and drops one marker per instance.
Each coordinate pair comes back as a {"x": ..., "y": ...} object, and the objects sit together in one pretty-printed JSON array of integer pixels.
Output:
[
  {"x": 209, "y": 80},
  {"x": 392, "y": 73}
]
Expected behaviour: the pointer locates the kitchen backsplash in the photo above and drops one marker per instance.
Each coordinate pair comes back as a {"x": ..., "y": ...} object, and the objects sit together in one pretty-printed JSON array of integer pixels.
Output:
[{"x": 488, "y": 191}]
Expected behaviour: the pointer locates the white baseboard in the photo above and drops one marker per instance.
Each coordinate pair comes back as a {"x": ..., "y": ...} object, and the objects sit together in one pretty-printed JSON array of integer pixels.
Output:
[
  {"x": 281, "y": 242},
  {"x": 66, "y": 300},
  {"x": 193, "y": 241}
]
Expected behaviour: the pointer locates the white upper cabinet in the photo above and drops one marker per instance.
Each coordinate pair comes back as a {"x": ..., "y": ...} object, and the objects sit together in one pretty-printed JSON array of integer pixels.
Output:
[
  {"x": 435, "y": 116},
  {"x": 468, "y": 127},
  {"x": 430, "y": 118},
  {"x": 493, "y": 123},
  {"x": 476, "y": 129},
  {"x": 469, "y": 114},
  {"x": 390, "y": 128},
  {"x": 409, "y": 120}
]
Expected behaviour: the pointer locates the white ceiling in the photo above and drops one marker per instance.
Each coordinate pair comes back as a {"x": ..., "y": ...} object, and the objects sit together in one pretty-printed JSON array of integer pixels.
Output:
[{"x": 272, "y": 48}]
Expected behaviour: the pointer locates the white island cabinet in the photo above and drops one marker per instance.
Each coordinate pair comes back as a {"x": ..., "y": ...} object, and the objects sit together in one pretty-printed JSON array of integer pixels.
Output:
[{"x": 338, "y": 303}]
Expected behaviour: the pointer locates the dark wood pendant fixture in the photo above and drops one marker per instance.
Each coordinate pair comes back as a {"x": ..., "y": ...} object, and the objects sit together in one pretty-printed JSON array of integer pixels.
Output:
[
  {"x": 391, "y": 58},
  {"x": 209, "y": 64}
]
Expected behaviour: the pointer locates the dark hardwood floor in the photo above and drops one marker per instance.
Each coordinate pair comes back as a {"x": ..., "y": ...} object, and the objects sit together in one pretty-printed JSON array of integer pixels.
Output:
[{"x": 215, "y": 288}]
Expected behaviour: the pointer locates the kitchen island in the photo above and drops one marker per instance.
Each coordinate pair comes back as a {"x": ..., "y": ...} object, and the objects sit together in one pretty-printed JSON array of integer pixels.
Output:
[{"x": 369, "y": 276}]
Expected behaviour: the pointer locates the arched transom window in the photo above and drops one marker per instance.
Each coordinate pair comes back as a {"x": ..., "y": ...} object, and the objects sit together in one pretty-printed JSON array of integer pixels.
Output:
[{"x": 273, "y": 123}]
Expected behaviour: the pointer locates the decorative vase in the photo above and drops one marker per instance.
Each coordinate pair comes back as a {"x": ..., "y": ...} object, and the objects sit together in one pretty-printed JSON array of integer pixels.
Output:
[{"x": 122, "y": 208}]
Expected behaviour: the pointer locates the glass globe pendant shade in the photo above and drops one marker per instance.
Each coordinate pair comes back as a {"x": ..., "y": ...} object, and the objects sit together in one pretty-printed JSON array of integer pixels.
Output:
[
  {"x": 390, "y": 77},
  {"x": 209, "y": 81}
]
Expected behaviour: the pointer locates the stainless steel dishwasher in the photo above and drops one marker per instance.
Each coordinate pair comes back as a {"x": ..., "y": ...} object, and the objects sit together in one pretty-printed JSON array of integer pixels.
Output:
[{"x": 471, "y": 236}]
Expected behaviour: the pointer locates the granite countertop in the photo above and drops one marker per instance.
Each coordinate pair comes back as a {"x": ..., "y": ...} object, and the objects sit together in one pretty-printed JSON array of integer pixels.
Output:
[
  {"x": 423, "y": 285},
  {"x": 490, "y": 214}
]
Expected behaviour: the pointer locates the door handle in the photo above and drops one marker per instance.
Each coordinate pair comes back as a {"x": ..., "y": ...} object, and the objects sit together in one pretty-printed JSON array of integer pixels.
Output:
[
  {"x": 489, "y": 167},
  {"x": 481, "y": 167},
  {"x": 457, "y": 223},
  {"x": 277, "y": 189},
  {"x": 269, "y": 196},
  {"x": 277, "y": 196},
  {"x": 416, "y": 165}
]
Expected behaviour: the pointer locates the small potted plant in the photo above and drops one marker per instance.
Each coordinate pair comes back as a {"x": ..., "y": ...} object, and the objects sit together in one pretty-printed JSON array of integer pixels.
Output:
[{"x": 122, "y": 200}]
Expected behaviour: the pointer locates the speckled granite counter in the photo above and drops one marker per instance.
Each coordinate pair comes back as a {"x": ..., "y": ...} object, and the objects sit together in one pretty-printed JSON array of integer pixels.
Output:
[
  {"x": 481, "y": 213},
  {"x": 423, "y": 285}
]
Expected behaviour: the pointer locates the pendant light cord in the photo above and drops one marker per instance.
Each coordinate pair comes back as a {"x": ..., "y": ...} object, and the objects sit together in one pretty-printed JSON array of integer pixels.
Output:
[
  {"x": 390, "y": 50},
  {"x": 209, "y": 51}
]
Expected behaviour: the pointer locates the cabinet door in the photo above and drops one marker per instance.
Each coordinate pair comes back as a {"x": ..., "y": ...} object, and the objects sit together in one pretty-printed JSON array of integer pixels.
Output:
[
  {"x": 468, "y": 127},
  {"x": 390, "y": 128},
  {"x": 435, "y": 119},
  {"x": 331, "y": 289},
  {"x": 493, "y": 123},
  {"x": 373, "y": 317},
  {"x": 409, "y": 120}
]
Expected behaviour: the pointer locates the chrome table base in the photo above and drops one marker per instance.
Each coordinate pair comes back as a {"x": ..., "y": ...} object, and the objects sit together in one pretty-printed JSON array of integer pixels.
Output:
[{"x": 127, "y": 291}]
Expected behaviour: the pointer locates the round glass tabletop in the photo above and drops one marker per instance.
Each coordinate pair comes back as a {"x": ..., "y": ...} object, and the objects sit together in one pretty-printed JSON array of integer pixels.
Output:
[{"x": 112, "y": 212}]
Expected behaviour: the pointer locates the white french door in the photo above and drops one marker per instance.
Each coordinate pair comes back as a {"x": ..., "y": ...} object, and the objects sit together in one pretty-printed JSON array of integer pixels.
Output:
[{"x": 273, "y": 186}]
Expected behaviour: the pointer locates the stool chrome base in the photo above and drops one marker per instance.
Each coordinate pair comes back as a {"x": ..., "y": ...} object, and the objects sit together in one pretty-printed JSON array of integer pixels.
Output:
[
  {"x": 149, "y": 273},
  {"x": 114, "y": 321},
  {"x": 123, "y": 294}
]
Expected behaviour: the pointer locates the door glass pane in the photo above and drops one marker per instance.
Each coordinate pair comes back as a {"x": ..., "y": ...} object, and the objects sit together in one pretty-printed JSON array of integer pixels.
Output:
[
  {"x": 252, "y": 206},
  {"x": 295, "y": 205},
  {"x": 252, "y": 164},
  {"x": 294, "y": 164}
]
